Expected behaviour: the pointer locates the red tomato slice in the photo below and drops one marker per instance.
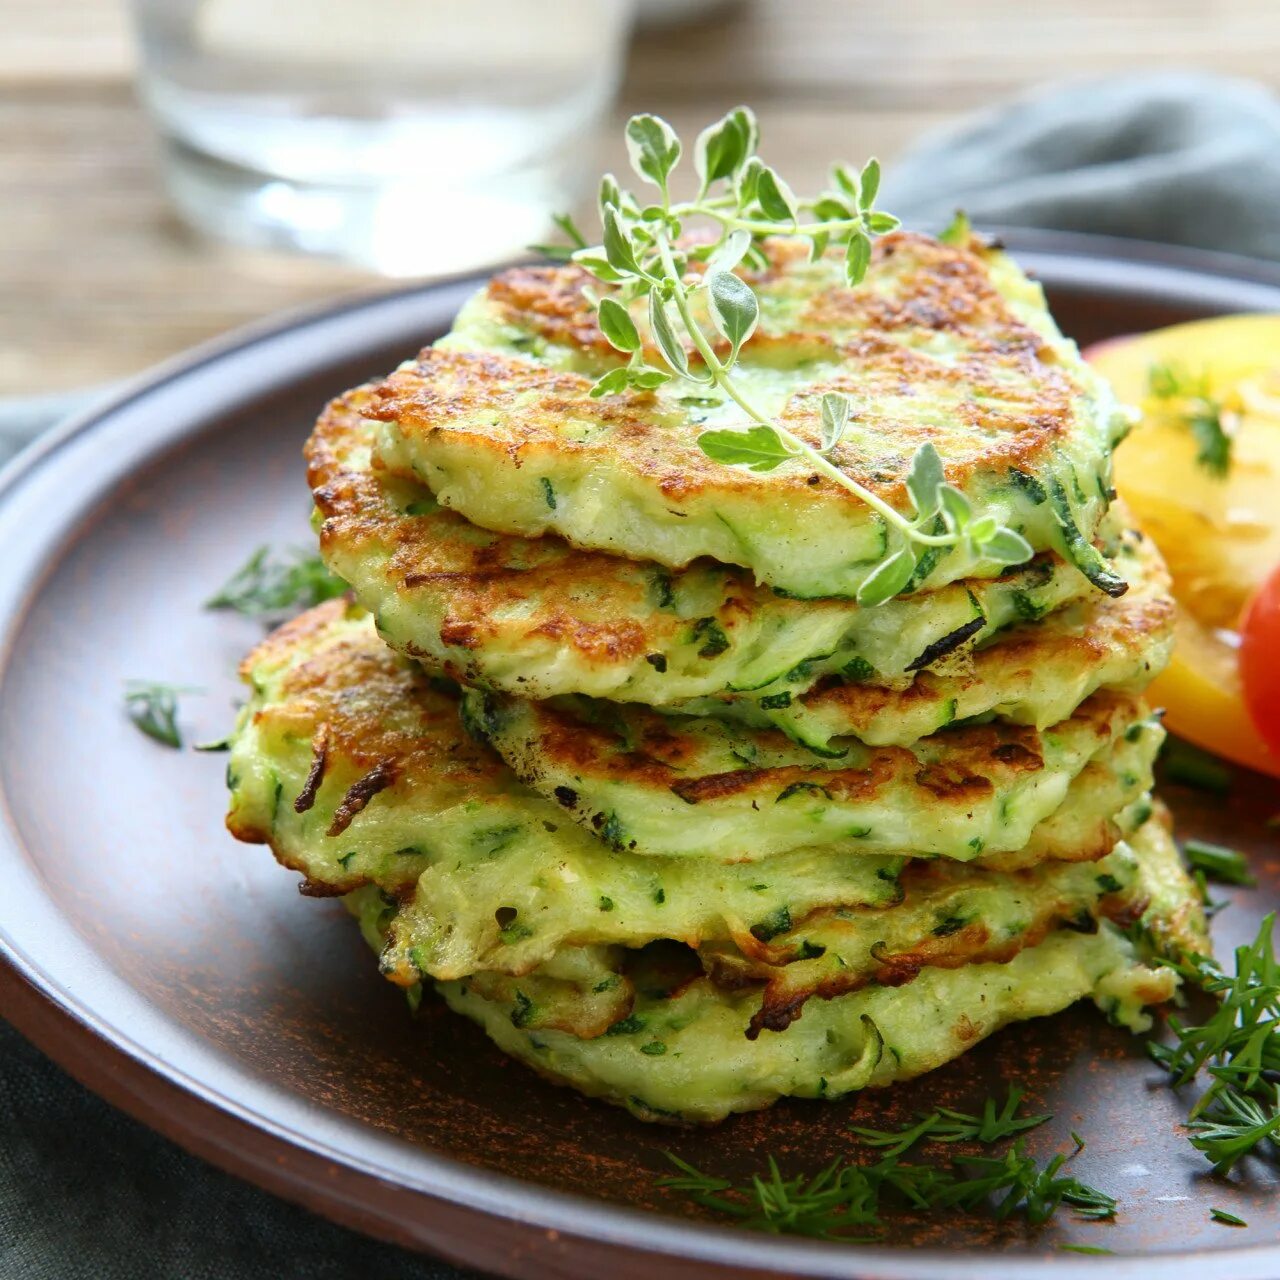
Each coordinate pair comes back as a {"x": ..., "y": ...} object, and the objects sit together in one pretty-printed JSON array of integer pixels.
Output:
[{"x": 1260, "y": 659}]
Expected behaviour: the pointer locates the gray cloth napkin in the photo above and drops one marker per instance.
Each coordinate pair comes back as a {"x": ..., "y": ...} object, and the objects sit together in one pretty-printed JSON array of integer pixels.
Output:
[
  {"x": 1174, "y": 157},
  {"x": 87, "y": 1192}
]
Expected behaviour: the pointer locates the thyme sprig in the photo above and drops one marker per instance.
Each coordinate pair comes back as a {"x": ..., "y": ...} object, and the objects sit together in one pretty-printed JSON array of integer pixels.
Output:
[
  {"x": 642, "y": 256},
  {"x": 268, "y": 585}
]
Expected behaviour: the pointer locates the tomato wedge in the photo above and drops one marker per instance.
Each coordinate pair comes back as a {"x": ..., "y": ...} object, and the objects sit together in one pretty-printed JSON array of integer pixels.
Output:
[{"x": 1260, "y": 660}]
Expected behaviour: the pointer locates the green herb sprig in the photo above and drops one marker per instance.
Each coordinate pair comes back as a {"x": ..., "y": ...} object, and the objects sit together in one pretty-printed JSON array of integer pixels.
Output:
[
  {"x": 1187, "y": 399},
  {"x": 1218, "y": 863},
  {"x": 958, "y": 230},
  {"x": 847, "y": 1201},
  {"x": 153, "y": 708},
  {"x": 266, "y": 586},
  {"x": 946, "y": 1125},
  {"x": 641, "y": 256},
  {"x": 1189, "y": 765},
  {"x": 1227, "y": 1219},
  {"x": 1238, "y": 1048}
]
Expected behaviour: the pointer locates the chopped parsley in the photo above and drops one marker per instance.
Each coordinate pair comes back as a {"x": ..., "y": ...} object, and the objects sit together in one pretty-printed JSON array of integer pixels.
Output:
[
  {"x": 663, "y": 589},
  {"x": 627, "y": 1027},
  {"x": 612, "y": 832},
  {"x": 522, "y": 1013},
  {"x": 796, "y": 788},
  {"x": 776, "y": 922},
  {"x": 858, "y": 670}
]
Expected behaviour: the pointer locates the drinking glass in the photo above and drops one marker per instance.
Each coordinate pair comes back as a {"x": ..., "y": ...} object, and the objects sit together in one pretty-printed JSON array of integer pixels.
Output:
[{"x": 410, "y": 136}]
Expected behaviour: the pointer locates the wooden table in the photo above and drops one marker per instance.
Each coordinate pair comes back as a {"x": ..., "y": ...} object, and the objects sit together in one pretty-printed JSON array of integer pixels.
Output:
[{"x": 98, "y": 279}]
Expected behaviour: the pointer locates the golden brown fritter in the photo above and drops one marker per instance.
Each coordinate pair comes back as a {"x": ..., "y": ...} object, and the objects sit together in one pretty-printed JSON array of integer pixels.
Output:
[
  {"x": 536, "y": 617},
  {"x": 688, "y": 786},
  {"x": 941, "y": 345}
]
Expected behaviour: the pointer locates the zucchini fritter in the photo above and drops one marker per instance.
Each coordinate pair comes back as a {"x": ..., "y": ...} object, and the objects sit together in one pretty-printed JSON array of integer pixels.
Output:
[
  {"x": 947, "y": 345},
  {"x": 687, "y": 1057},
  {"x": 806, "y": 967},
  {"x": 690, "y": 787},
  {"x": 534, "y": 616},
  {"x": 701, "y": 1040},
  {"x": 1036, "y": 673},
  {"x": 352, "y": 764},
  {"x": 686, "y": 1052},
  {"x": 821, "y": 941}
]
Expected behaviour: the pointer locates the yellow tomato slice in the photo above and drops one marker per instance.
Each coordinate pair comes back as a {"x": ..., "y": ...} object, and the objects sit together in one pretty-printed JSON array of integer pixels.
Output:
[
  {"x": 1201, "y": 693},
  {"x": 1219, "y": 534}
]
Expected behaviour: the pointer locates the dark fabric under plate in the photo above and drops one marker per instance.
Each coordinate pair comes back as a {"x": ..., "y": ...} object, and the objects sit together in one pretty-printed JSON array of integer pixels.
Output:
[{"x": 86, "y": 1193}]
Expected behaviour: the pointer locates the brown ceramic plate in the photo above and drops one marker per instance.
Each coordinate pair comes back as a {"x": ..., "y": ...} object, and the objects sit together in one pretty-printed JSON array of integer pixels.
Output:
[{"x": 181, "y": 975}]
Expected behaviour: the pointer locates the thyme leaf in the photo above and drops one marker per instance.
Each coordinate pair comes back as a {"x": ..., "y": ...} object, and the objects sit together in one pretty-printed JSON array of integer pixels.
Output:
[
  {"x": 958, "y": 231},
  {"x": 1229, "y": 1219}
]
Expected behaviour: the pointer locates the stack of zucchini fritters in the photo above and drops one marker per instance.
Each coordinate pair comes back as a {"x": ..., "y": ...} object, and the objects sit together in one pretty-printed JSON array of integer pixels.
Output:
[{"x": 604, "y": 748}]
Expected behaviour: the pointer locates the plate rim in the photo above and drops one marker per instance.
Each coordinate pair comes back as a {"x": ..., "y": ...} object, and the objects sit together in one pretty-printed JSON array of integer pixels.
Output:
[{"x": 288, "y": 1163}]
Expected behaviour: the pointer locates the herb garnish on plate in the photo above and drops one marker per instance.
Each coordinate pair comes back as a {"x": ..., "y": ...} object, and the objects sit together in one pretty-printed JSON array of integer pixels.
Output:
[
  {"x": 848, "y": 1200},
  {"x": 268, "y": 586},
  {"x": 153, "y": 707},
  {"x": 1237, "y": 1047}
]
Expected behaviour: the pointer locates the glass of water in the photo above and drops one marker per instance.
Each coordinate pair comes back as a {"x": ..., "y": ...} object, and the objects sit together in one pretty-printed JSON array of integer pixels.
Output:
[{"x": 409, "y": 136}]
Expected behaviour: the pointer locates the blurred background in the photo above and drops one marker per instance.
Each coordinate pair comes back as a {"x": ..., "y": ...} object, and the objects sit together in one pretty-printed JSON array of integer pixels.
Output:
[{"x": 100, "y": 277}]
